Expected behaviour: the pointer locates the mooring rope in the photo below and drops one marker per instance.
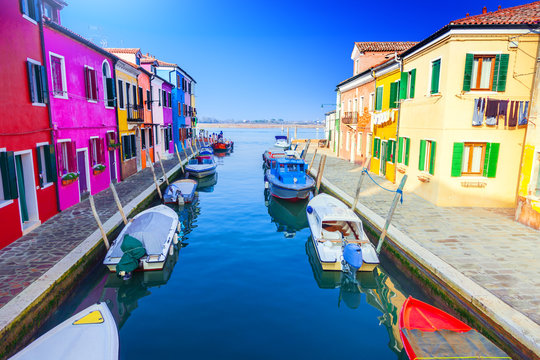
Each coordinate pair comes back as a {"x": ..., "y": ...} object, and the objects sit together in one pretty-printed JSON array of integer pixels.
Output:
[{"x": 398, "y": 191}]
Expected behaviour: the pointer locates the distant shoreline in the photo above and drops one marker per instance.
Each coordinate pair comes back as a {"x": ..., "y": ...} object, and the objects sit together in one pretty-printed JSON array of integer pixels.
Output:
[{"x": 257, "y": 126}]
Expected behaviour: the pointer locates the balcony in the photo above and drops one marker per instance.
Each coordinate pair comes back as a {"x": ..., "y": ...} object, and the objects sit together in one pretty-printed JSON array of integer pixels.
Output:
[
  {"x": 350, "y": 117},
  {"x": 135, "y": 113}
]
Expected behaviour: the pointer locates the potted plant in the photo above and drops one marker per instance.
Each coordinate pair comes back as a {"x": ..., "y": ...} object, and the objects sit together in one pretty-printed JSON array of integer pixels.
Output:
[
  {"x": 98, "y": 169},
  {"x": 69, "y": 178}
]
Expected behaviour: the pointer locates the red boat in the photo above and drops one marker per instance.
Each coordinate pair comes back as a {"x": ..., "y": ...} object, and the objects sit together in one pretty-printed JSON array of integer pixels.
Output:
[
  {"x": 430, "y": 333},
  {"x": 222, "y": 146}
]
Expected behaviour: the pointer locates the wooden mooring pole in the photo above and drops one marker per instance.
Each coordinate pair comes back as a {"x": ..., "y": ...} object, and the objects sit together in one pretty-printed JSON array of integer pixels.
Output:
[
  {"x": 391, "y": 213},
  {"x": 287, "y": 133},
  {"x": 185, "y": 151},
  {"x": 295, "y": 132},
  {"x": 154, "y": 174},
  {"x": 96, "y": 216},
  {"x": 117, "y": 201},
  {"x": 306, "y": 148},
  {"x": 163, "y": 169},
  {"x": 179, "y": 157},
  {"x": 358, "y": 187},
  {"x": 322, "y": 163},
  {"x": 312, "y": 160}
]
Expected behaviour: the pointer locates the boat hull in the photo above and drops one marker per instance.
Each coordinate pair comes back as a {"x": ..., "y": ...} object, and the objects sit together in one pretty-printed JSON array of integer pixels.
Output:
[
  {"x": 201, "y": 174},
  {"x": 337, "y": 265},
  {"x": 289, "y": 194}
]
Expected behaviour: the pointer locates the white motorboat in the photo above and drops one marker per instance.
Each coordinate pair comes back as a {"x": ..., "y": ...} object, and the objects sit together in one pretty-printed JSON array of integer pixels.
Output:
[
  {"x": 282, "y": 142},
  {"x": 338, "y": 235},
  {"x": 201, "y": 166},
  {"x": 156, "y": 228},
  {"x": 89, "y": 334}
]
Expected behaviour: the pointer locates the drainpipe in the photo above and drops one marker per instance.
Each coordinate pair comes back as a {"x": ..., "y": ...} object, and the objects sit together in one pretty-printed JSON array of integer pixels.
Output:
[
  {"x": 400, "y": 61},
  {"x": 154, "y": 133},
  {"x": 49, "y": 111},
  {"x": 374, "y": 109},
  {"x": 115, "y": 60}
]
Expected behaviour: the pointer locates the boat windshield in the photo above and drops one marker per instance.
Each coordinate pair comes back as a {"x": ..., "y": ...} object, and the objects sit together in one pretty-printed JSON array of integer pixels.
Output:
[
  {"x": 193, "y": 161},
  {"x": 350, "y": 230},
  {"x": 206, "y": 161}
]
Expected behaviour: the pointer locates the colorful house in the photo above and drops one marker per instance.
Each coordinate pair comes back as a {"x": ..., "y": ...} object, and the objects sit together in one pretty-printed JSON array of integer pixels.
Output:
[
  {"x": 168, "y": 144},
  {"x": 83, "y": 113},
  {"x": 27, "y": 158},
  {"x": 464, "y": 94},
  {"x": 385, "y": 118},
  {"x": 130, "y": 117}
]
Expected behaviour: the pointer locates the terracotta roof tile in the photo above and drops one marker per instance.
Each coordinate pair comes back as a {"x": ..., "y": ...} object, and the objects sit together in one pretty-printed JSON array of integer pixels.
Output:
[
  {"x": 123, "y": 50},
  {"x": 383, "y": 46},
  {"x": 522, "y": 14}
]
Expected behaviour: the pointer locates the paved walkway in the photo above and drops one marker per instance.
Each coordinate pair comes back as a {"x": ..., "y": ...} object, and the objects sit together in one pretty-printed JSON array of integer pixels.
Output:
[
  {"x": 29, "y": 257},
  {"x": 485, "y": 244}
]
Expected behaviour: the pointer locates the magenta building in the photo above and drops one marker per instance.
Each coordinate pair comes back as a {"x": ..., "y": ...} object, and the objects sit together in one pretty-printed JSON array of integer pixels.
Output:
[
  {"x": 168, "y": 117},
  {"x": 82, "y": 101}
]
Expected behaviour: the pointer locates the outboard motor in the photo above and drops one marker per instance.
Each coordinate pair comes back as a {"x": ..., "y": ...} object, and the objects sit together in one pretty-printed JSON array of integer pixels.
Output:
[{"x": 352, "y": 255}]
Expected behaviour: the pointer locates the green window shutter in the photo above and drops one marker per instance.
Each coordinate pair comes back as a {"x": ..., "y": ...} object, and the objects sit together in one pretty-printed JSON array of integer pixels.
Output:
[
  {"x": 379, "y": 98},
  {"x": 457, "y": 158},
  {"x": 407, "y": 149},
  {"x": 432, "y": 158},
  {"x": 377, "y": 146},
  {"x": 394, "y": 151},
  {"x": 403, "y": 85},
  {"x": 9, "y": 177},
  {"x": 469, "y": 60},
  {"x": 413, "y": 83},
  {"x": 40, "y": 167},
  {"x": 393, "y": 91},
  {"x": 503, "y": 69},
  {"x": 400, "y": 150},
  {"x": 422, "y": 156},
  {"x": 50, "y": 163},
  {"x": 389, "y": 150},
  {"x": 496, "y": 72},
  {"x": 491, "y": 159},
  {"x": 435, "y": 76}
]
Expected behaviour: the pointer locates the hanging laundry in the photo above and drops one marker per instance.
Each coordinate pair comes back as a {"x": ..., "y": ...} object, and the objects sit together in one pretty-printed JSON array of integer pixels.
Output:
[
  {"x": 478, "y": 111},
  {"x": 492, "y": 109},
  {"x": 522, "y": 114},
  {"x": 503, "y": 110},
  {"x": 512, "y": 117}
]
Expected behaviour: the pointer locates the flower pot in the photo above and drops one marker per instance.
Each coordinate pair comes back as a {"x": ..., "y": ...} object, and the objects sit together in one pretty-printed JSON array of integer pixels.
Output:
[
  {"x": 98, "y": 171},
  {"x": 67, "y": 181}
]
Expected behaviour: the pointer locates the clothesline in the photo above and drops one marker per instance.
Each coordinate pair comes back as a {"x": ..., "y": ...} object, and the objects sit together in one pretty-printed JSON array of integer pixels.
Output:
[{"x": 515, "y": 113}]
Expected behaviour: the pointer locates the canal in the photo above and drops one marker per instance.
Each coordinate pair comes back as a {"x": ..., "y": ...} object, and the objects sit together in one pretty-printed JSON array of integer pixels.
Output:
[{"x": 246, "y": 283}]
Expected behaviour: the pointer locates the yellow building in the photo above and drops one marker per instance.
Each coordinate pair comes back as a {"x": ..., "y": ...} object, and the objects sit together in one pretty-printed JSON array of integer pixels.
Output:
[
  {"x": 385, "y": 118},
  {"x": 461, "y": 139},
  {"x": 129, "y": 119}
]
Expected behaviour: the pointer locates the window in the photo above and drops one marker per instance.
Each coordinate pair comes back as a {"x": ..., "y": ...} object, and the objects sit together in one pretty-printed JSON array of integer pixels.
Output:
[
  {"x": 407, "y": 84},
  {"x": 404, "y": 146},
  {"x": 91, "y": 83},
  {"x": 475, "y": 158},
  {"x": 159, "y": 97},
  {"x": 58, "y": 76},
  {"x": 129, "y": 146},
  {"x": 50, "y": 12},
  {"x": 485, "y": 72},
  {"x": 134, "y": 87},
  {"x": 143, "y": 138},
  {"x": 128, "y": 99},
  {"x": 427, "y": 156},
  {"x": 359, "y": 143},
  {"x": 376, "y": 148},
  {"x": 394, "y": 95},
  {"x": 361, "y": 105},
  {"x": 97, "y": 151},
  {"x": 179, "y": 109},
  {"x": 178, "y": 81},
  {"x": 30, "y": 9},
  {"x": 37, "y": 83},
  {"x": 150, "y": 137},
  {"x": 8, "y": 177},
  {"x": 348, "y": 142},
  {"x": 371, "y": 102},
  {"x": 379, "y": 98},
  {"x": 148, "y": 100},
  {"x": 391, "y": 151},
  {"x": 140, "y": 97},
  {"x": 66, "y": 154},
  {"x": 46, "y": 164},
  {"x": 170, "y": 99},
  {"x": 108, "y": 85},
  {"x": 368, "y": 144},
  {"x": 121, "y": 94},
  {"x": 164, "y": 93},
  {"x": 435, "y": 76}
]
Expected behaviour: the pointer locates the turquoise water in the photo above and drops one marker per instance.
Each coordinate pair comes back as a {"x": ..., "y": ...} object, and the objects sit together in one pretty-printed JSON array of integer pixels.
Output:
[{"x": 247, "y": 284}]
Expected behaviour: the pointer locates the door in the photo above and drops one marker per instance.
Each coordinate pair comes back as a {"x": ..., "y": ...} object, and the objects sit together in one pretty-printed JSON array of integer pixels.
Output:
[
  {"x": 138, "y": 148},
  {"x": 383, "y": 158},
  {"x": 353, "y": 146},
  {"x": 83, "y": 173},
  {"x": 23, "y": 202},
  {"x": 112, "y": 165}
]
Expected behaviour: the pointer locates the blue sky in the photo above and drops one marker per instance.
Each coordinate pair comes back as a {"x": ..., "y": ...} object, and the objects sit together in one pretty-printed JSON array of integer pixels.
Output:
[{"x": 262, "y": 59}]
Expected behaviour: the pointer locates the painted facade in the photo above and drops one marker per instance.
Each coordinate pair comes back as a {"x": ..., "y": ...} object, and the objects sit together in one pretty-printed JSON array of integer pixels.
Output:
[
  {"x": 457, "y": 158},
  {"x": 384, "y": 120},
  {"x": 80, "y": 78},
  {"x": 147, "y": 126},
  {"x": 169, "y": 148},
  {"x": 27, "y": 169}
]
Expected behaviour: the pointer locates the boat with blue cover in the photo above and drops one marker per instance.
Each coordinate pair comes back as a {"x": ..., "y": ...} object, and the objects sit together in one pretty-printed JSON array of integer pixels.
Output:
[
  {"x": 287, "y": 179},
  {"x": 338, "y": 236},
  {"x": 206, "y": 151},
  {"x": 282, "y": 142},
  {"x": 201, "y": 166},
  {"x": 180, "y": 192}
]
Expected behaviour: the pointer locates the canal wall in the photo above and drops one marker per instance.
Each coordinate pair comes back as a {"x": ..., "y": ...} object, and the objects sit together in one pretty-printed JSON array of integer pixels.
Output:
[
  {"x": 513, "y": 331},
  {"x": 23, "y": 314}
]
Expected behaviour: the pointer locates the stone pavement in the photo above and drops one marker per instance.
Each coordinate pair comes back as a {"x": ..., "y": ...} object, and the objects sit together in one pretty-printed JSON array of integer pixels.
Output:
[
  {"x": 30, "y": 256},
  {"x": 485, "y": 244}
]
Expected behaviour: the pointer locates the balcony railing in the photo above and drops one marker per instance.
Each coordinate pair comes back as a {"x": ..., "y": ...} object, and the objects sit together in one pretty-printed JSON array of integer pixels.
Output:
[
  {"x": 350, "y": 117},
  {"x": 135, "y": 113}
]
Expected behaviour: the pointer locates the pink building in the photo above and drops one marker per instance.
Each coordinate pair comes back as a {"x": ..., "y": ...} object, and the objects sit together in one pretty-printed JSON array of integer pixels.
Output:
[
  {"x": 168, "y": 118},
  {"x": 83, "y": 113}
]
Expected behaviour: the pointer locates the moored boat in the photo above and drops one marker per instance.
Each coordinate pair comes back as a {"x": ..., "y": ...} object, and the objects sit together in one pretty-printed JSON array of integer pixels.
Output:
[
  {"x": 180, "y": 191},
  {"x": 222, "y": 145},
  {"x": 430, "y": 333},
  {"x": 145, "y": 241},
  {"x": 271, "y": 155},
  {"x": 206, "y": 150},
  {"x": 89, "y": 334},
  {"x": 201, "y": 166},
  {"x": 282, "y": 142},
  {"x": 287, "y": 179},
  {"x": 338, "y": 236}
]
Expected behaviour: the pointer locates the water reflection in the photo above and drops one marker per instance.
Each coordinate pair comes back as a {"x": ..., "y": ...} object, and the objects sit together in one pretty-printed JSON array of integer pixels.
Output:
[
  {"x": 378, "y": 288},
  {"x": 289, "y": 217},
  {"x": 207, "y": 183}
]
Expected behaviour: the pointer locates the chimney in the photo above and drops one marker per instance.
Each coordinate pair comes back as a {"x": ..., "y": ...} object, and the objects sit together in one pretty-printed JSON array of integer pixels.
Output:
[
  {"x": 499, "y": 7},
  {"x": 467, "y": 15},
  {"x": 484, "y": 10}
]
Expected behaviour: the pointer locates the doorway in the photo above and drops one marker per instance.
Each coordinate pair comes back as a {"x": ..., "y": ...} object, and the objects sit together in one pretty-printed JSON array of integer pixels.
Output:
[
  {"x": 84, "y": 178},
  {"x": 28, "y": 208},
  {"x": 383, "y": 157},
  {"x": 138, "y": 148},
  {"x": 353, "y": 146},
  {"x": 112, "y": 165}
]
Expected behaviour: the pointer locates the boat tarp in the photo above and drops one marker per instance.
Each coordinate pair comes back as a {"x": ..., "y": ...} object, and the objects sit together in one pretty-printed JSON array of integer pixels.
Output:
[
  {"x": 444, "y": 344},
  {"x": 152, "y": 229},
  {"x": 133, "y": 250},
  {"x": 281, "y": 137}
]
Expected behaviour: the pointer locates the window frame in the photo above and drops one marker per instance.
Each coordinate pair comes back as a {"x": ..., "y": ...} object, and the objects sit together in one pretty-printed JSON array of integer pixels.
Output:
[
  {"x": 438, "y": 92},
  {"x": 43, "y": 158},
  {"x": 402, "y": 149},
  {"x": 41, "y": 93},
  {"x": 371, "y": 102},
  {"x": 359, "y": 143},
  {"x": 479, "y": 72},
  {"x": 471, "y": 146},
  {"x": 90, "y": 86},
  {"x": 427, "y": 156},
  {"x": 27, "y": 15},
  {"x": 64, "y": 93},
  {"x": 121, "y": 100}
]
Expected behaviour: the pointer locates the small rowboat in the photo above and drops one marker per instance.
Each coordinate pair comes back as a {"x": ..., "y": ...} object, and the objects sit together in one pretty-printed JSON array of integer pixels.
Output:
[
  {"x": 180, "y": 192},
  {"x": 89, "y": 334},
  {"x": 201, "y": 166},
  {"x": 430, "y": 333}
]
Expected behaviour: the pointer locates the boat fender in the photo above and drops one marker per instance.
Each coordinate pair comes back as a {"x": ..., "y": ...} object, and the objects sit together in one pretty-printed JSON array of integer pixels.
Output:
[
  {"x": 179, "y": 227},
  {"x": 309, "y": 210},
  {"x": 295, "y": 180},
  {"x": 180, "y": 200},
  {"x": 266, "y": 185},
  {"x": 175, "y": 239},
  {"x": 171, "y": 250}
]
